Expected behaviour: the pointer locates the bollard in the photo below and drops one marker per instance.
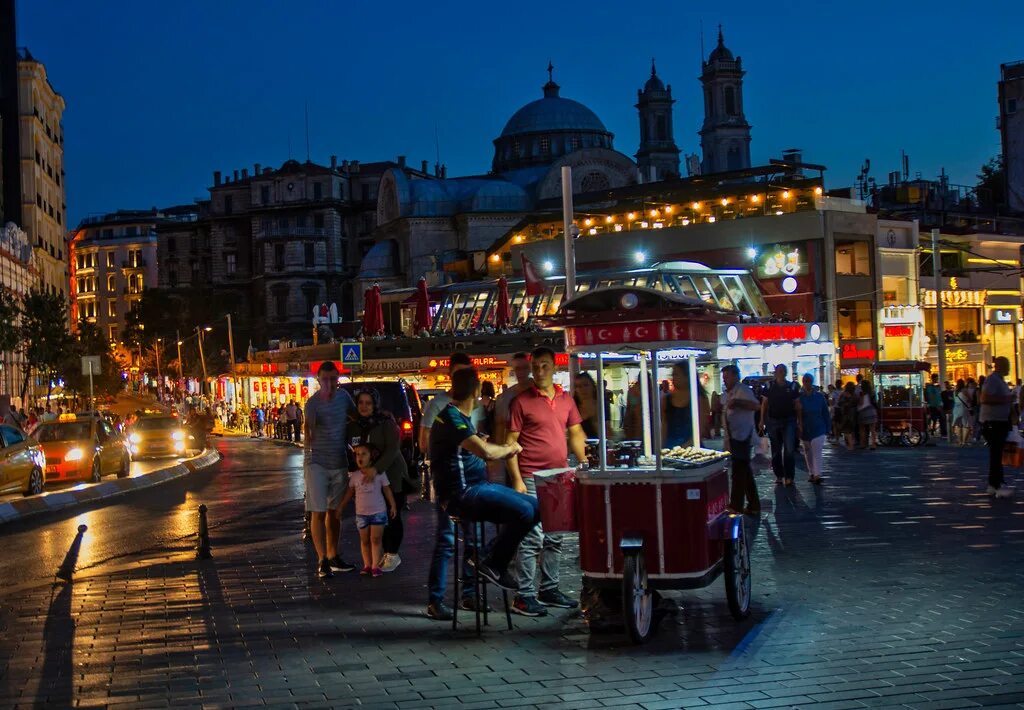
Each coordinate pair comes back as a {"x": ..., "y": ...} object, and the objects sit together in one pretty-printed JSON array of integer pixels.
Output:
[
  {"x": 203, "y": 548},
  {"x": 66, "y": 571}
]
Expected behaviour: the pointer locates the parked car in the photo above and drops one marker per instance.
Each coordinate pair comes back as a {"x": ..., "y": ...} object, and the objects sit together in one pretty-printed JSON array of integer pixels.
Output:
[
  {"x": 401, "y": 399},
  {"x": 22, "y": 463},
  {"x": 83, "y": 448}
]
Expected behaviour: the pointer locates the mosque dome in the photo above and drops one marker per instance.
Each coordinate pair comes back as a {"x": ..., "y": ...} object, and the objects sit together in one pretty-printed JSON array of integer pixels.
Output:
[{"x": 544, "y": 130}]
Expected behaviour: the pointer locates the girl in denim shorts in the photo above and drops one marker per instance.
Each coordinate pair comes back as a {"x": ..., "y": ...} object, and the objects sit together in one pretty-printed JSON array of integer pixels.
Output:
[{"x": 374, "y": 504}]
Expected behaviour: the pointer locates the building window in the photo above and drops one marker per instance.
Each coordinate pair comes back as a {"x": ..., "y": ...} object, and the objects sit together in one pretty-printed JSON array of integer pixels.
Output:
[
  {"x": 172, "y": 278},
  {"x": 265, "y": 194},
  {"x": 853, "y": 259},
  {"x": 111, "y": 283},
  {"x": 282, "y": 224},
  {"x": 229, "y": 264},
  {"x": 318, "y": 191},
  {"x": 112, "y": 309},
  {"x": 281, "y": 303},
  {"x": 111, "y": 260},
  {"x": 113, "y": 332},
  {"x": 855, "y": 319},
  {"x": 300, "y": 222},
  {"x": 195, "y": 272},
  {"x": 228, "y": 204},
  {"x": 172, "y": 245},
  {"x": 545, "y": 146},
  {"x": 366, "y": 192},
  {"x": 310, "y": 254},
  {"x": 575, "y": 143},
  {"x": 318, "y": 221},
  {"x": 660, "y": 127},
  {"x": 80, "y": 259},
  {"x": 279, "y": 257},
  {"x": 309, "y": 294}
]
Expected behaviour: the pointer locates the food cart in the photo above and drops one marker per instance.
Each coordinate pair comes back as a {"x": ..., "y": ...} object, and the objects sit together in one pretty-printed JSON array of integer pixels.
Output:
[
  {"x": 655, "y": 519},
  {"x": 903, "y": 411}
]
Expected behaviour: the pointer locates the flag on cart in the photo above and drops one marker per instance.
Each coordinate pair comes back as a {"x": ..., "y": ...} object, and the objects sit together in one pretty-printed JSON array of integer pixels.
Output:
[{"x": 534, "y": 283}]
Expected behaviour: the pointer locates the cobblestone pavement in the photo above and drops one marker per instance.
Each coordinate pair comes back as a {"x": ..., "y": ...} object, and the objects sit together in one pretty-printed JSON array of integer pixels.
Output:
[{"x": 896, "y": 584}]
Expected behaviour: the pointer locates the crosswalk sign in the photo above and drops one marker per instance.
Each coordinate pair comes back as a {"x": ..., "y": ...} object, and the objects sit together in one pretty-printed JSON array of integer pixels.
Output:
[{"x": 351, "y": 353}]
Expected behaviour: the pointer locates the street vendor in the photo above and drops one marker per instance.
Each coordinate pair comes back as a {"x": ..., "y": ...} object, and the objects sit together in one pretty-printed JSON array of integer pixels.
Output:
[{"x": 740, "y": 404}]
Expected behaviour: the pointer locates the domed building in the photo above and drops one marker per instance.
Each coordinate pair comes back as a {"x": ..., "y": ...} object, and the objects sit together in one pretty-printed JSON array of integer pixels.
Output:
[{"x": 427, "y": 223}]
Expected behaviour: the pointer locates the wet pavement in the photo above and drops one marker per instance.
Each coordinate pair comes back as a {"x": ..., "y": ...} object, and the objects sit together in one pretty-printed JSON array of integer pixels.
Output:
[{"x": 896, "y": 584}]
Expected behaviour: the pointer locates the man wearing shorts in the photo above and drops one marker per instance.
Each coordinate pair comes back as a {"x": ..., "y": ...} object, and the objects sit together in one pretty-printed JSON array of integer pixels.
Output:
[{"x": 326, "y": 467}]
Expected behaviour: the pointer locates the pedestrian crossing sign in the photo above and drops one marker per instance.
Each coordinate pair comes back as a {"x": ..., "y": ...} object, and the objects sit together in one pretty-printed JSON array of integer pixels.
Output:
[{"x": 351, "y": 353}]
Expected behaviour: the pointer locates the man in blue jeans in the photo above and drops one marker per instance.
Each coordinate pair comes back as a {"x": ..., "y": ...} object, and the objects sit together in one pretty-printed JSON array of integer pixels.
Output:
[
  {"x": 457, "y": 463},
  {"x": 780, "y": 408}
]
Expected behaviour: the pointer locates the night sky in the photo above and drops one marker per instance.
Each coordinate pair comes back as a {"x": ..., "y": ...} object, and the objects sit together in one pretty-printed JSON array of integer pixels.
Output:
[{"x": 161, "y": 94}]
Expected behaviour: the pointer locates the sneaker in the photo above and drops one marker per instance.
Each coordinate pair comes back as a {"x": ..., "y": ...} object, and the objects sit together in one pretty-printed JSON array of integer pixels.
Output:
[
  {"x": 339, "y": 565},
  {"x": 991, "y": 490},
  {"x": 390, "y": 562},
  {"x": 439, "y": 611},
  {"x": 499, "y": 579},
  {"x": 470, "y": 604},
  {"x": 365, "y": 571},
  {"x": 376, "y": 572},
  {"x": 555, "y": 598},
  {"x": 1004, "y": 492},
  {"x": 323, "y": 570},
  {"x": 528, "y": 606}
]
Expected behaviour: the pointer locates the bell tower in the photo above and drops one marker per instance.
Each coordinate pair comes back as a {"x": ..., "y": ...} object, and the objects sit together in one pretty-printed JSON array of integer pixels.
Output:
[
  {"x": 725, "y": 135},
  {"x": 658, "y": 152}
]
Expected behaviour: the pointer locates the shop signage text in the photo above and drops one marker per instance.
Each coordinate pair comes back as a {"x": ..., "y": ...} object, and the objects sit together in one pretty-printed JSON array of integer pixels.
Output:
[
  {"x": 781, "y": 261},
  {"x": 662, "y": 331},
  {"x": 898, "y": 331},
  {"x": 485, "y": 361},
  {"x": 767, "y": 333},
  {"x": 384, "y": 366},
  {"x": 857, "y": 352},
  {"x": 954, "y": 299},
  {"x": 1003, "y": 316}
]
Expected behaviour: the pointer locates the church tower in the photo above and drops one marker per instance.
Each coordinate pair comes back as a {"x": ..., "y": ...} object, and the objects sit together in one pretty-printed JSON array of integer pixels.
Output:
[
  {"x": 657, "y": 145},
  {"x": 725, "y": 136}
]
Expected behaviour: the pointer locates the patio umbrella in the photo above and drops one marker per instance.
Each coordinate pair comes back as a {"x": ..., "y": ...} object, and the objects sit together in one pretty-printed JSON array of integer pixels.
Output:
[
  {"x": 378, "y": 317},
  {"x": 534, "y": 283},
  {"x": 503, "y": 311},
  {"x": 423, "y": 319},
  {"x": 371, "y": 326}
]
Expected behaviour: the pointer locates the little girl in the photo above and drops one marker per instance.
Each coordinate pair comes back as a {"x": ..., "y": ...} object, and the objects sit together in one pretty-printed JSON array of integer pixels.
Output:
[{"x": 374, "y": 503}]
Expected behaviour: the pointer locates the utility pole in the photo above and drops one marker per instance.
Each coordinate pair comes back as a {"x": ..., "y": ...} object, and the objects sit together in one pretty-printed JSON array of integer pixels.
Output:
[
  {"x": 231, "y": 344},
  {"x": 568, "y": 238},
  {"x": 159, "y": 383},
  {"x": 940, "y": 326},
  {"x": 202, "y": 359},
  {"x": 181, "y": 374}
]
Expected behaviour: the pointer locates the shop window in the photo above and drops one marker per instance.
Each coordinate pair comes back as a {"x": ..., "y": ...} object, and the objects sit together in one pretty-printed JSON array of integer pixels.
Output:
[
  {"x": 952, "y": 263},
  {"x": 853, "y": 258},
  {"x": 896, "y": 290},
  {"x": 962, "y": 325},
  {"x": 855, "y": 319}
]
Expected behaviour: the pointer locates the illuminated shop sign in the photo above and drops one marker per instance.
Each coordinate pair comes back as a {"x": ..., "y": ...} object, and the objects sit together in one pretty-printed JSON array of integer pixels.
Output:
[
  {"x": 860, "y": 351},
  {"x": 954, "y": 299},
  {"x": 899, "y": 331},
  {"x": 1003, "y": 316},
  {"x": 780, "y": 261},
  {"x": 485, "y": 361},
  {"x": 771, "y": 333}
]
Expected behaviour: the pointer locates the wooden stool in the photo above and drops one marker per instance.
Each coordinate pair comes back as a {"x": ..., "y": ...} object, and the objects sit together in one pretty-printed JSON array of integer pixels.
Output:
[{"x": 479, "y": 582}]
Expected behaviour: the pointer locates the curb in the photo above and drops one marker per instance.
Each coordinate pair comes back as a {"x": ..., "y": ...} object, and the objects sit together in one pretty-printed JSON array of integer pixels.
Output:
[{"x": 47, "y": 502}]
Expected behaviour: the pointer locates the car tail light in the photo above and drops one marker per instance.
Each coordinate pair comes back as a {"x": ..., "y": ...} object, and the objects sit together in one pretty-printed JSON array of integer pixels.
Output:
[{"x": 406, "y": 426}]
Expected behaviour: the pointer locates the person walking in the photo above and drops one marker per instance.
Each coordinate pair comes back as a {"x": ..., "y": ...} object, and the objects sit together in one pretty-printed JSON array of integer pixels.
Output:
[
  {"x": 963, "y": 413},
  {"x": 374, "y": 504},
  {"x": 457, "y": 454},
  {"x": 541, "y": 420},
  {"x": 814, "y": 425},
  {"x": 676, "y": 423},
  {"x": 325, "y": 467},
  {"x": 740, "y": 405},
  {"x": 933, "y": 398},
  {"x": 996, "y": 402},
  {"x": 847, "y": 414},
  {"x": 947, "y": 408},
  {"x": 376, "y": 428},
  {"x": 867, "y": 416},
  {"x": 780, "y": 409},
  {"x": 444, "y": 532}
]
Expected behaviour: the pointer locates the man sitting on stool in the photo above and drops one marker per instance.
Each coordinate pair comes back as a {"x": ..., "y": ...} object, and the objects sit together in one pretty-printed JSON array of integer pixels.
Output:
[{"x": 457, "y": 457}]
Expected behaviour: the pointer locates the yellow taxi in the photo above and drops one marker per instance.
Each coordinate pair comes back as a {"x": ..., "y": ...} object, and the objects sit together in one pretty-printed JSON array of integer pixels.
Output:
[
  {"x": 160, "y": 435},
  {"x": 21, "y": 462},
  {"x": 82, "y": 448}
]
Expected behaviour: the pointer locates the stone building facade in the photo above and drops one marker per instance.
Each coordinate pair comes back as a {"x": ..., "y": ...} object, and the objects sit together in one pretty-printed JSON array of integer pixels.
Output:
[{"x": 18, "y": 275}]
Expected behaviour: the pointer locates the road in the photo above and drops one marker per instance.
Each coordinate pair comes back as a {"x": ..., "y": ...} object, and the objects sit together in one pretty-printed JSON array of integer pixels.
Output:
[{"x": 252, "y": 478}]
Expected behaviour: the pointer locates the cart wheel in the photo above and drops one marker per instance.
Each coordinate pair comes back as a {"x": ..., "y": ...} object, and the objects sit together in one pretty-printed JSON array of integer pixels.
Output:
[
  {"x": 912, "y": 436},
  {"x": 637, "y": 601},
  {"x": 737, "y": 574},
  {"x": 884, "y": 436}
]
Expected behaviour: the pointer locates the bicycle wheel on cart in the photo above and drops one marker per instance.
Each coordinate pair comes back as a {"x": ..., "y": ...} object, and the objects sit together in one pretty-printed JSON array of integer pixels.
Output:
[
  {"x": 637, "y": 599},
  {"x": 913, "y": 436},
  {"x": 737, "y": 574}
]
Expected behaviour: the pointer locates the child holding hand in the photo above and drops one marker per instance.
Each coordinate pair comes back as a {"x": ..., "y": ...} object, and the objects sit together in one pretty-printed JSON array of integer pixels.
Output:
[{"x": 374, "y": 504}]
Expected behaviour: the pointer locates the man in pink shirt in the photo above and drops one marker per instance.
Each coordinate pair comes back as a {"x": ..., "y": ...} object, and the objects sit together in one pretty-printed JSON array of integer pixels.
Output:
[{"x": 539, "y": 420}]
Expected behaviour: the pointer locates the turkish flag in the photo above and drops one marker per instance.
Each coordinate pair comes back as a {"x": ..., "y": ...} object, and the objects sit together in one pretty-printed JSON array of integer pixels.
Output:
[{"x": 534, "y": 283}]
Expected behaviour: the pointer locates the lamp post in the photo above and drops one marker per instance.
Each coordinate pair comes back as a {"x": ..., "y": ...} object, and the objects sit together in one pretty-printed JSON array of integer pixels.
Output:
[
  {"x": 181, "y": 374},
  {"x": 202, "y": 357},
  {"x": 159, "y": 384}
]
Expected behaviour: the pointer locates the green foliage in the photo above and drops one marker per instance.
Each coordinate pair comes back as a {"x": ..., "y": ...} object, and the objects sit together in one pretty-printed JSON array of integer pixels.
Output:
[
  {"x": 89, "y": 340},
  {"x": 10, "y": 309},
  {"x": 991, "y": 187},
  {"x": 44, "y": 334}
]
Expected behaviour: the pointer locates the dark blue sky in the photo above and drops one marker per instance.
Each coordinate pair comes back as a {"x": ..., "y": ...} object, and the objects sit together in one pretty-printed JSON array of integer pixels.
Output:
[{"x": 161, "y": 94}]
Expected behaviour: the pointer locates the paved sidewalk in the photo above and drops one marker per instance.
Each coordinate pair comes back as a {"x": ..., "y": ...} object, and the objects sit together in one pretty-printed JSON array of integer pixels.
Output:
[{"x": 897, "y": 584}]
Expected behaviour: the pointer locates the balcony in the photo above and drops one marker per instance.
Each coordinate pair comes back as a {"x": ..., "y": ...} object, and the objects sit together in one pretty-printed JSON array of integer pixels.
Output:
[
  {"x": 139, "y": 264},
  {"x": 274, "y": 231}
]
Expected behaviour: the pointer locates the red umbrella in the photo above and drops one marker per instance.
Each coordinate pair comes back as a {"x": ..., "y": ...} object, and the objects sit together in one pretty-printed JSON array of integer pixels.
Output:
[
  {"x": 534, "y": 283},
  {"x": 378, "y": 311},
  {"x": 371, "y": 325},
  {"x": 503, "y": 312},
  {"x": 423, "y": 319}
]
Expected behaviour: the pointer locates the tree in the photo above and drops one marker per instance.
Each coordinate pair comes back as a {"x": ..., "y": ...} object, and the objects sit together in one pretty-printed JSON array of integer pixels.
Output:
[
  {"x": 44, "y": 336},
  {"x": 991, "y": 187},
  {"x": 10, "y": 338},
  {"x": 89, "y": 340}
]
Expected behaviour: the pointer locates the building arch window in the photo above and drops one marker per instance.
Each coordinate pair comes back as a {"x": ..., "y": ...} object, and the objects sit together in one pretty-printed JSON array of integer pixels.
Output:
[
  {"x": 661, "y": 127},
  {"x": 279, "y": 299},
  {"x": 730, "y": 101},
  {"x": 545, "y": 146},
  {"x": 732, "y": 158}
]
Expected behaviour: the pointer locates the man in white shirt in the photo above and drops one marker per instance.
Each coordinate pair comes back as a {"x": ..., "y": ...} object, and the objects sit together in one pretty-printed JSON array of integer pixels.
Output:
[
  {"x": 740, "y": 404},
  {"x": 996, "y": 401}
]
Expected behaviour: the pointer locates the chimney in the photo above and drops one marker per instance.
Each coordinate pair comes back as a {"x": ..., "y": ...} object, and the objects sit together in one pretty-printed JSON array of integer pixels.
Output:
[
  {"x": 256, "y": 170},
  {"x": 236, "y": 176},
  {"x": 444, "y": 172},
  {"x": 245, "y": 173},
  {"x": 423, "y": 166},
  {"x": 401, "y": 161},
  {"x": 216, "y": 178},
  {"x": 334, "y": 162},
  {"x": 437, "y": 170}
]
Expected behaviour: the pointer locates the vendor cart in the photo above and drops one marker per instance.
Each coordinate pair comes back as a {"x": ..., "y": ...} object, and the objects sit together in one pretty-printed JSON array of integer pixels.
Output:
[
  {"x": 903, "y": 411},
  {"x": 649, "y": 518}
]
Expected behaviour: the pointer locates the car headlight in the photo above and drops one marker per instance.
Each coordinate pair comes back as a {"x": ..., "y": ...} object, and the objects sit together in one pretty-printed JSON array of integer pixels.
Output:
[
  {"x": 134, "y": 437},
  {"x": 178, "y": 436},
  {"x": 74, "y": 454}
]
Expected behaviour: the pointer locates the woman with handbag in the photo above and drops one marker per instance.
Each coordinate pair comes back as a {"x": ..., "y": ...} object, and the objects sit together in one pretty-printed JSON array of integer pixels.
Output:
[
  {"x": 867, "y": 416},
  {"x": 963, "y": 414},
  {"x": 847, "y": 407},
  {"x": 378, "y": 428}
]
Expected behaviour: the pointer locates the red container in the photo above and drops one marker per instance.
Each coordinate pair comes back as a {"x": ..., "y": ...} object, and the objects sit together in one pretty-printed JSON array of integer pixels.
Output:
[{"x": 556, "y": 493}]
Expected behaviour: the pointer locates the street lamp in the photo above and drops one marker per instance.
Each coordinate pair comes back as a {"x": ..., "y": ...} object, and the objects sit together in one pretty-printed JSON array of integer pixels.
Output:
[{"x": 202, "y": 357}]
